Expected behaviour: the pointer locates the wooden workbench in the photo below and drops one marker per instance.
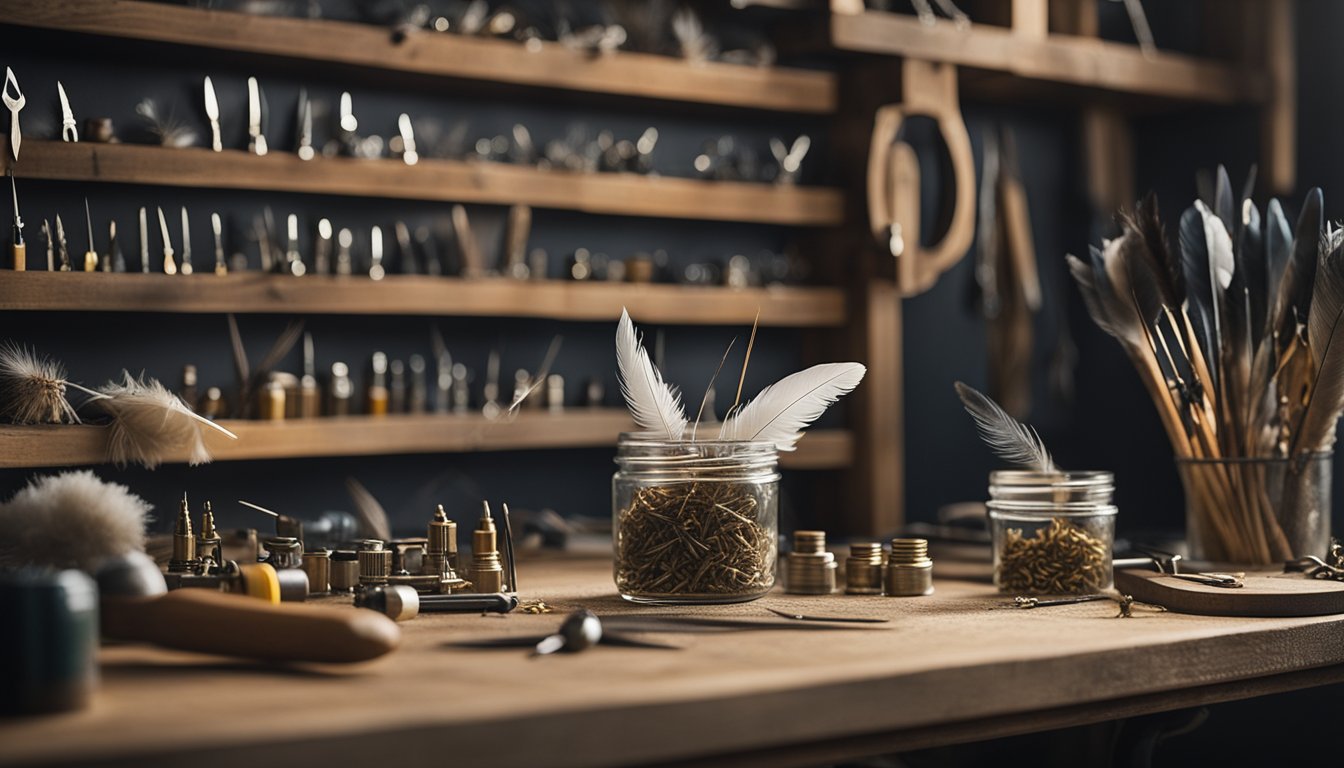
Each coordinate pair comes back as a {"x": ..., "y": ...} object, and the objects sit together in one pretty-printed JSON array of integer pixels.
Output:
[{"x": 955, "y": 666}]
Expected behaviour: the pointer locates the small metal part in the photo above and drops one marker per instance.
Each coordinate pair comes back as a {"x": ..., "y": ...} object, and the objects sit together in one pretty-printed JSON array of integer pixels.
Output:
[
  {"x": 461, "y": 391},
  {"x": 396, "y": 389},
  {"x": 317, "y": 564},
  {"x": 835, "y": 619},
  {"x": 340, "y": 390},
  {"x": 491, "y": 409},
  {"x": 309, "y": 394},
  {"x": 418, "y": 399},
  {"x": 62, "y": 249},
  {"x": 14, "y": 101},
  {"x": 209, "y": 545},
  {"x": 99, "y": 130},
  {"x": 408, "y": 153},
  {"x": 441, "y": 545},
  {"x": 305, "y": 127},
  {"x": 188, "y": 391},
  {"x": 17, "y": 249},
  {"x": 909, "y": 570},
  {"x": 221, "y": 268},
  {"x": 377, "y": 397},
  {"x": 344, "y": 572},
  {"x": 863, "y": 568},
  {"x": 293, "y": 259},
  {"x": 397, "y": 601},
  {"x": 186, "y": 242},
  {"x": 144, "y": 241},
  {"x": 555, "y": 393},
  {"x": 375, "y": 562},
  {"x": 68, "y": 130},
  {"x": 409, "y": 265},
  {"x": 376, "y": 271},
  {"x": 256, "y": 137},
  {"x": 580, "y": 631},
  {"x": 344, "y": 261},
  {"x": 810, "y": 569},
  {"x": 322, "y": 248},
  {"x": 116, "y": 260},
  {"x": 271, "y": 401},
  {"x": 212, "y": 404},
  {"x": 283, "y": 552},
  {"x": 487, "y": 572},
  {"x": 1035, "y": 602},
  {"x": 184, "y": 543},
  {"x": 169, "y": 266},
  {"x": 594, "y": 392},
  {"x": 212, "y": 112},
  {"x": 467, "y": 602}
]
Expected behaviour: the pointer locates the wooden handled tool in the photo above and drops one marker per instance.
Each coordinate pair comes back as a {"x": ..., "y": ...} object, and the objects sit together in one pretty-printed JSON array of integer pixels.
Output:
[{"x": 234, "y": 625}]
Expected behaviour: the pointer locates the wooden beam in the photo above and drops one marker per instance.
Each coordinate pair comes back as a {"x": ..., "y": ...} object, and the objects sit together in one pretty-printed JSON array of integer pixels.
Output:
[
  {"x": 543, "y": 65},
  {"x": 255, "y": 292},
  {"x": 623, "y": 194},
  {"x": 1031, "y": 18}
]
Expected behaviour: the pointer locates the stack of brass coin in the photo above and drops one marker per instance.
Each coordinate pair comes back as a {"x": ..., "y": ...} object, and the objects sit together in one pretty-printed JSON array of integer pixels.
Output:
[
  {"x": 810, "y": 568},
  {"x": 909, "y": 570},
  {"x": 863, "y": 568}
]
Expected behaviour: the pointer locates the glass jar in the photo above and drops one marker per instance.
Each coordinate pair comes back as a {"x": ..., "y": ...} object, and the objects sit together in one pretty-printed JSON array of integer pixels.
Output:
[
  {"x": 694, "y": 522},
  {"x": 1052, "y": 532}
]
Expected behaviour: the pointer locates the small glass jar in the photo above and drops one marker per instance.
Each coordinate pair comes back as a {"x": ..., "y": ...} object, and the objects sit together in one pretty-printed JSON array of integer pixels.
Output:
[
  {"x": 694, "y": 522},
  {"x": 1052, "y": 532}
]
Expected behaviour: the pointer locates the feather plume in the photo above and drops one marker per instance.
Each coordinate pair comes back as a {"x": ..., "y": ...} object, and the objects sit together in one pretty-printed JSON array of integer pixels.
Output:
[
  {"x": 655, "y": 404},
  {"x": 1292, "y": 305},
  {"x": 371, "y": 515},
  {"x": 150, "y": 424},
  {"x": 32, "y": 388},
  {"x": 782, "y": 410},
  {"x": 36, "y": 525},
  {"x": 1224, "y": 207},
  {"x": 1010, "y": 439}
]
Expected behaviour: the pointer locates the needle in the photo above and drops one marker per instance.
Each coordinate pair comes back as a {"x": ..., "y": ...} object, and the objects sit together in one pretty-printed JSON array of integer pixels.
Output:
[
  {"x": 259, "y": 509},
  {"x": 845, "y": 619}
]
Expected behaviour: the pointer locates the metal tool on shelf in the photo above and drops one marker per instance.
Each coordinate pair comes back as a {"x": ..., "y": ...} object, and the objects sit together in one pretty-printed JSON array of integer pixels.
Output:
[
  {"x": 212, "y": 113},
  {"x": 68, "y": 130},
  {"x": 14, "y": 101}
]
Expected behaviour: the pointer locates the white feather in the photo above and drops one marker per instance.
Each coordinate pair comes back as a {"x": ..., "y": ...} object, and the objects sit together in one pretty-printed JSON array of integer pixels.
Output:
[
  {"x": 150, "y": 424},
  {"x": 1222, "y": 264},
  {"x": 784, "y": 409},
  {"x": 655, "y": 404}
]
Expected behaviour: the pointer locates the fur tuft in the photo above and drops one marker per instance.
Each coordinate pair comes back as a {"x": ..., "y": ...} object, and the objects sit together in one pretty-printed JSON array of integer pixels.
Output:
[
  {"x": 71, "y": 520},
  {"x": 32, "y": 388}
]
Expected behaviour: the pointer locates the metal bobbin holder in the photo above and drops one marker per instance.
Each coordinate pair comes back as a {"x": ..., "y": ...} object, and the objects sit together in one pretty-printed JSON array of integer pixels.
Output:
[
  {"x": 863, "y": 568},
  {"x": 375, "y": 562},
  {"x": 909, "y": 571},
  {"x": 810, "y": 568},
  {"x": 317, "y": 564},
  {"x": 344, "y": 570}
]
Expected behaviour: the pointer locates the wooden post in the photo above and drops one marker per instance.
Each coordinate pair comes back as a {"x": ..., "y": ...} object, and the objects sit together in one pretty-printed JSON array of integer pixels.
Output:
[{"x": 1278, "y": 164}]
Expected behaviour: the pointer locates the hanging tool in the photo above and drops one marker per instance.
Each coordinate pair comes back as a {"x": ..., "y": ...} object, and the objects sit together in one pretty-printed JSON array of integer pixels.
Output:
[
  {"x": 928, "y": 89},
  {"x": 305, "y": 123},
  {"x": 116, "y": 262},
  {"x": 186, "y": 242},
  {"x": 14, "y": 103},
  {"x": 255, "y": 118},
  {"x": 91, "y": 255},
  {"x": 144, "y": 241},
  {"x": 61, "y": 249},
  {"x": 68, "y": 130},
  {"x": 221, "y": 268},
  {"x": 212, "y": 112},
  {"x": 169, "y": 266},
  {"x": 17, "y": 249}
]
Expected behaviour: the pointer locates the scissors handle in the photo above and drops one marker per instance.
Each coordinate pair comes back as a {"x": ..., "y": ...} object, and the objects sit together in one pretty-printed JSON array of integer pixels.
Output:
[{"x": 68, "y": 131}]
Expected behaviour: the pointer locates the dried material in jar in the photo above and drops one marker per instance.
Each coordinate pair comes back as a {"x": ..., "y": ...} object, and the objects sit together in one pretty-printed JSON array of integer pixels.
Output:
[
  {"x": 1062, "y": 558},
  {"x": 697, "y": 539}
]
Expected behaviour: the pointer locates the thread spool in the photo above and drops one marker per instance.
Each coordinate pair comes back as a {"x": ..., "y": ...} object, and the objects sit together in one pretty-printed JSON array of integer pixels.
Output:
[
  {"x": 909, "y": 571},
  {"x": 864, "y": 568}
]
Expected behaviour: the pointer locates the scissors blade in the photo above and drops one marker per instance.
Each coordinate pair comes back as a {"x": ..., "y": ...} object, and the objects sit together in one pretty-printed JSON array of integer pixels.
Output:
[
  {"x": 14, "y": 104},
  {"x": 68, "y": 132}
]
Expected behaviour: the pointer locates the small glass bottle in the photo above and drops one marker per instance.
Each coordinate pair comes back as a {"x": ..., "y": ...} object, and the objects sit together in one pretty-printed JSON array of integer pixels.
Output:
[
  {"x": 695, "y": 522},
  {"x": 1052, "y": 531}
]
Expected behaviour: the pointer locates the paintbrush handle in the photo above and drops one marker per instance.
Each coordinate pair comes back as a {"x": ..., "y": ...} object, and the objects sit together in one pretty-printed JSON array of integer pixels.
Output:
[{"x": 234, "y": 625}]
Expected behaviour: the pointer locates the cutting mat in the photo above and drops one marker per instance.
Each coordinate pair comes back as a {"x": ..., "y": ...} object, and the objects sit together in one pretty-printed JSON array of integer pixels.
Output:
[{"x": 1267, "y": 593}]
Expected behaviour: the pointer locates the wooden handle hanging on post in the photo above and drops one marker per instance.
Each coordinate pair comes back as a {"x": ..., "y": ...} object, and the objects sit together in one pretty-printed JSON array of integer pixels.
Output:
[
  {"x": 234, "y": 625},
  {"x": 930, "y": 90}
]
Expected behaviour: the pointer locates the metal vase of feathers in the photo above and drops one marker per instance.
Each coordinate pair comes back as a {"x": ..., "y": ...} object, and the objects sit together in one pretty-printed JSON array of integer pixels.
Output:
[
  {"x": 694, "y": 522},
  {"x": 1281, "y": 510}
]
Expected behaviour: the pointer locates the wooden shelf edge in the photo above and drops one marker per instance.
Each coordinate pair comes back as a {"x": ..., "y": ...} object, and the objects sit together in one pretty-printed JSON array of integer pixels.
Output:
[
  {"x": 467, "y": 58},
  {"x": 258, "y": 293},
  {"x": 79, "y": 445},
  {"x": 1065, "y": 59},
  {"x": 619, "y": 194}
]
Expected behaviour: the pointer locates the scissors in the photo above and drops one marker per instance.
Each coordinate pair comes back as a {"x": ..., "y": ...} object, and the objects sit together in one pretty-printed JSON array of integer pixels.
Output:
[
  {"x": 14, "y": 104},
  {"x": 68, "y": 132}
]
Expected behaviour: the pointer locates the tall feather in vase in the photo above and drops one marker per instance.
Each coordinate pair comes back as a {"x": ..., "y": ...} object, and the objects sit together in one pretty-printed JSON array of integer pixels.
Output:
[
  {"x": 781, "y": 412},
  {"x": 655, "y": 404},
  {"x": 150, "y": 424}
]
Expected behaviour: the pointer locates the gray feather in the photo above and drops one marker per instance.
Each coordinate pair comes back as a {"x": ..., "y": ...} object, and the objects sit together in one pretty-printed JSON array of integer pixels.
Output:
[{"x": 1010, "y": 439}]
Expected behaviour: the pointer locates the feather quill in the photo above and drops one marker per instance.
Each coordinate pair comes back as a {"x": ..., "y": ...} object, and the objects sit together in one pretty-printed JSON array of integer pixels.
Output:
[
  {"x": 33, "y": 388},
  {"x": 782, "y": 410},
  {"x": 150, "y": 423},
  {"x": 655, "y": 404},
  {"x": 1010, "y": 439},
  {"x": 373, "y": 519},
  {"x": 1292, "y": 305}
]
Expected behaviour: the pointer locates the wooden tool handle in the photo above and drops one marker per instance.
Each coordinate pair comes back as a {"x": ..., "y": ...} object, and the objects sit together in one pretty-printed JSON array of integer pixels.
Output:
[
  {"x": 20, "y": 253},
  {"x": 233, "y": 625}
]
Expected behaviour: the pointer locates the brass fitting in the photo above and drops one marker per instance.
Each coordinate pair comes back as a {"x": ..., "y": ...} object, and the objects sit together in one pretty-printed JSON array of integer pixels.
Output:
[
  {"x": 344, "y": 573},
  {"x": 441, "y": 550},
  {"x": 317, "y": 565},
  {"x": 863, "y": 569},
  {"x": 810, "y": 568},
  {"x": 375, "y": 563},
  {"x": 209, "y": 545},
  {"x": 909, "y": 570},
  {"x": 487, "y": 572},
  {"x": 184, "y": 544}
]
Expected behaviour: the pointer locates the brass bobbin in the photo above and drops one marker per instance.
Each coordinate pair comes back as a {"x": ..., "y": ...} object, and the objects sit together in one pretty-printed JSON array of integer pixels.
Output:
[
  {"x": 344, "y": 574},
  {"x": 375, "y": 563},
  {"x": 863, "y": 569},
  {"x": 909, "y": 571},
  {"x": 810, "y": 569}
]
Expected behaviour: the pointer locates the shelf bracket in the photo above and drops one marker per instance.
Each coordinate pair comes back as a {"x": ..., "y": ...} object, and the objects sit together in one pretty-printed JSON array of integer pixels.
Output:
[{"x": 928, "y": 89}]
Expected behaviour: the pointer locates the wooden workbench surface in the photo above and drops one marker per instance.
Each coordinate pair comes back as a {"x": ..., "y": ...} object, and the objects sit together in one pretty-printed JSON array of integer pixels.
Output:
[{"x": 952, "y": 666}]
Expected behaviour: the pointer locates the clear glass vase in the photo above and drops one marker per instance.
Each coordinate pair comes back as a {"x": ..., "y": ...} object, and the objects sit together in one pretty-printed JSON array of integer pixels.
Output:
[
  {"x": 694, "y": 522},
  {"x": 1257, "y": 511},
  {"x": 1052, "y": 532}
]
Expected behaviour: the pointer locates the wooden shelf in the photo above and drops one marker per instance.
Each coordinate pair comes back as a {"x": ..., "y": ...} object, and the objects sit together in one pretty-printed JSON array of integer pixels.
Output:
[
  {"x": 257, "y": 293},
  {"x": 450, "y": 56},
  {"x": 1064, "y": 59},
  {"x": 66, "y": 445},
  {"x": 618, "y": 194}
]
